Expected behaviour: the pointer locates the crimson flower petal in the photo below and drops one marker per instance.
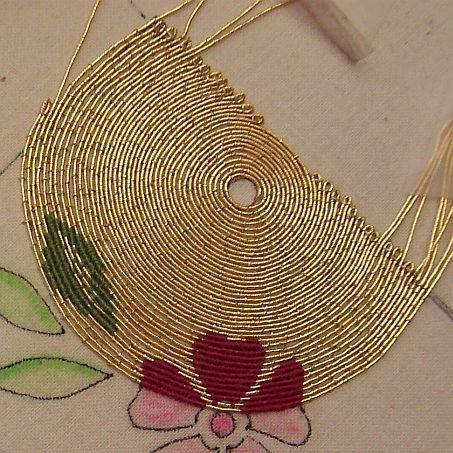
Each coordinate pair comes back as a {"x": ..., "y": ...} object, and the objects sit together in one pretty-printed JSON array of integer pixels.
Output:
[
  {"x": 227, "y": 368},
  {"x": 282, "y": 391}
]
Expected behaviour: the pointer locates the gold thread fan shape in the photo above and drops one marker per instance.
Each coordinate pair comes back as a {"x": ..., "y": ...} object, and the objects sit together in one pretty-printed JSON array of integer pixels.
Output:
[{"x": 126, "y": 192}]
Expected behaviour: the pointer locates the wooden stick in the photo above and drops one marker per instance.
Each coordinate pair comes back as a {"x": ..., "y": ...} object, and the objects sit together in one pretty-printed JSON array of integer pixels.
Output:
[{"x": 339, "y": 28}]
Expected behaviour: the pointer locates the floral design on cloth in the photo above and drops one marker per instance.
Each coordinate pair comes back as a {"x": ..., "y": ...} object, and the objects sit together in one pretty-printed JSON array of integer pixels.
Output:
[
  {"x": 272, "y": 421},
  {"x": 179, "y": 427}
]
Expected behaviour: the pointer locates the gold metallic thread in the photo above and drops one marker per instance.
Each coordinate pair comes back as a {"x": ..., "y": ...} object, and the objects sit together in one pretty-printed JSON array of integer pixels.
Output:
[{"x": 137, "y": 155}]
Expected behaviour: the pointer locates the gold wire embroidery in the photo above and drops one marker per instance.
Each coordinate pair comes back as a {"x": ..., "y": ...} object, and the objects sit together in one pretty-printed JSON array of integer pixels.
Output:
[{"x": 135, "y": 158}]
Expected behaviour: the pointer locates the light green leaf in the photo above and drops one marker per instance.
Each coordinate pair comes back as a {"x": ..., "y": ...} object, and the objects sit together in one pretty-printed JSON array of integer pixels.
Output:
[
  {"x": 49, "y": 377},
  {"x": 22, "y": 306}
]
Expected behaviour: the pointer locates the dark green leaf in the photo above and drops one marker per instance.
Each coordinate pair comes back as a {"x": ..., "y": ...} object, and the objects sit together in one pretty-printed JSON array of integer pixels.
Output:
[{"x": 74, "y": 268}]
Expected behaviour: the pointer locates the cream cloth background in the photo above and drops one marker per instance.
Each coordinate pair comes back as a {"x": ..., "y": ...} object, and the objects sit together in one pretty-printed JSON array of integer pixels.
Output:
[{"x": 369, "y": 128}]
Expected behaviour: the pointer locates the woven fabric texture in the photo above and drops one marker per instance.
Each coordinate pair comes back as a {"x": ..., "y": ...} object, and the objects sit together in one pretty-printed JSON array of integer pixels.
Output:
[{"x": 368, "y": 128}]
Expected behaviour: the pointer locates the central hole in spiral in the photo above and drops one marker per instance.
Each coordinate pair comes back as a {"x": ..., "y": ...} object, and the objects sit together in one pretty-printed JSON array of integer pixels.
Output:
[{"x": 243, "y": 191}]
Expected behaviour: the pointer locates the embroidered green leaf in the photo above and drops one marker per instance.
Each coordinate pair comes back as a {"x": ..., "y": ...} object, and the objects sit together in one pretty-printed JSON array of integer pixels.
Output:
[
  {"x": 22, "y": 306},
  {"x": 74, "y": 268},
  {"x": 49, "y": 378}
]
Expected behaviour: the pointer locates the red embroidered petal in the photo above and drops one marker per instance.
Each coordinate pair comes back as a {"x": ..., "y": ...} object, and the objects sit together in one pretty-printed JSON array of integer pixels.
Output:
[
  {"x": 164, "y": 378},
  {"x": 227, "y": 368},
  {"x": 282, "y": 391}
]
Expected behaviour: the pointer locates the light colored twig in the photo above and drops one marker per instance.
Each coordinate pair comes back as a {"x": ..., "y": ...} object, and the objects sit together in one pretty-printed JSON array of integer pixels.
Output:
[{"x": 339, "y": 28}]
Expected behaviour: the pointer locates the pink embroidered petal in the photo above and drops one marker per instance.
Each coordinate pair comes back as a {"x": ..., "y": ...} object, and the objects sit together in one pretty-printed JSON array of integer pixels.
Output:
[
  {"x": 282, "y": 391},
  {"x": 249, "y": 446},
  {"x": 164, "y": 378},
  {"x": 290, "y": 426},
  {"x": 193, "y": 445},
  {"x": 227, "y": 368},
  {"x": 150, "y": 410}
]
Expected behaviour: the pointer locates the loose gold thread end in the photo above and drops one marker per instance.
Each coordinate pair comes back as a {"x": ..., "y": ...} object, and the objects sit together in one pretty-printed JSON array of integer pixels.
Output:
[{"x": 437, "y": 256}]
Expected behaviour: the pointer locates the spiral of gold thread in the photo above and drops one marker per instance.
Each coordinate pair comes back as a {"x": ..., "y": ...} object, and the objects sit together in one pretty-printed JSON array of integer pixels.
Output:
[{"x": 132, "y": 166}]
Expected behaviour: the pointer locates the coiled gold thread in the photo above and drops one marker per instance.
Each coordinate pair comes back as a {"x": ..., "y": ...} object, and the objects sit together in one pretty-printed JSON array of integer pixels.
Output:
[{"x": 137, "y": 156}]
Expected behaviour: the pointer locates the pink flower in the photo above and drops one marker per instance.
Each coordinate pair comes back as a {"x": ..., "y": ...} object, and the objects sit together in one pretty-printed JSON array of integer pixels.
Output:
[{"x": 178, "y": 427}]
